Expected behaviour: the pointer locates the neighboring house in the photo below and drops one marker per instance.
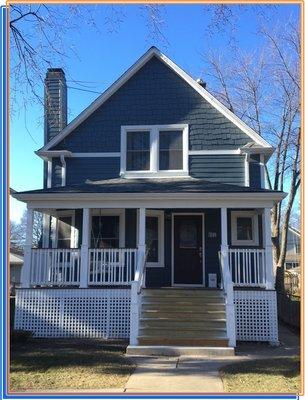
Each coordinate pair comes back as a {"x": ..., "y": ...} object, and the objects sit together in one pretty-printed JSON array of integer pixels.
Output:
[
  {"x": 293, "y": 254},
  {"x": 157, "y": 222},
  {"x": 16, "y": 263}
]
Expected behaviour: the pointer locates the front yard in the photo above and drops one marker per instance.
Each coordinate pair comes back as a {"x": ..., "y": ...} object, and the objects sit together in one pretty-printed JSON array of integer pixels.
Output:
[
  {"x": 281, "y": 374},
  {"x": 68, "y": 364}
]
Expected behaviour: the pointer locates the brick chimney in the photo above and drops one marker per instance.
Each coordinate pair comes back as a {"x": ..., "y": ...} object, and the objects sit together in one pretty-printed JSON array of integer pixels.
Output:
[{"x": 55, "y": 98}]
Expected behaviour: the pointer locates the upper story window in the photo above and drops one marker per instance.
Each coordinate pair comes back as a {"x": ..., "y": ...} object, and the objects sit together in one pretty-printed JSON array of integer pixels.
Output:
[{"x": 148, "y": 151}]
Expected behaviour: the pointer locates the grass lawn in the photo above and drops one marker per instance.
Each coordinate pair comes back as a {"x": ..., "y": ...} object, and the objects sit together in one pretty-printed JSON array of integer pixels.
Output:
[
  {"x": 261, "y": 376},
  {"x": 68, "y": 364}
]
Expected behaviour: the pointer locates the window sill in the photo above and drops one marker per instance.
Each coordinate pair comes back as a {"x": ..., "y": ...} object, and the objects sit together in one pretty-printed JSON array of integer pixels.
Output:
[{"x": 155, "y": 265}]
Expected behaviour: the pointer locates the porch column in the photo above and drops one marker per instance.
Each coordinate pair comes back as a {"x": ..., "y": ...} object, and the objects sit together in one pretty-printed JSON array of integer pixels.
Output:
[
  {"x": 141, "y": 230},
  {"x": 268, "y": 248},
  {"x": 84, "y": 265},
  {"x": 26, "y": 269},
  {"x": 224, "y": 229}
]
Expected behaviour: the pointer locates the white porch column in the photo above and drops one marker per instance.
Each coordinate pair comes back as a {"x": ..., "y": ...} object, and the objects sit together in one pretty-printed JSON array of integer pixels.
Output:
[
  {"x": 228, "y": 285},
  {"x": 26, "y": 269},
  {"x": 84, "y": 265},
  {"x": 268, "y": 248},
  {"x": 141, "y": 229}
]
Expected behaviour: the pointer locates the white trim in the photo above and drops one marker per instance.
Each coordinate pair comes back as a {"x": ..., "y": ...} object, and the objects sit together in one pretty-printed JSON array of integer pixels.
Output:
[
  {"x": 111, "y": 212},
  {"x": 255, "y": 234},
  {"x": 63, "y": 170},
  {"x": 213, "y": 152},
  {"x": 160, "y": 215},
  {"x": 153, "y": 51},
  {"x": 49, "y": 176},
  {"x": 247, "y": 170},
  {"x": 101, "y": 154},
  {"x": 173, "y": 251},
  {"x": 154, "y": 170},
  {"x": 74, "y": 231},
  {"x": 262, "y": 170}
]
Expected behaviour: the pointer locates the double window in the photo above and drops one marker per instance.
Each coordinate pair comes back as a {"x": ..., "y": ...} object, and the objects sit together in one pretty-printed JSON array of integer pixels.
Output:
[{"x": 151, "y": 150}]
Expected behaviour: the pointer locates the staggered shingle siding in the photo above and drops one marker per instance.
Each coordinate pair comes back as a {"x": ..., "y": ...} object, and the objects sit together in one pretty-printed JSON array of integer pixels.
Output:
[
  {"x": 219, "y": 168},
  {"x": 154, "y": 95}
]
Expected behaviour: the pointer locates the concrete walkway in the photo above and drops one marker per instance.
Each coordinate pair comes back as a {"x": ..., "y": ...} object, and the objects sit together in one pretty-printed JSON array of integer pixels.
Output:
[{"x": 200, "y": 375}]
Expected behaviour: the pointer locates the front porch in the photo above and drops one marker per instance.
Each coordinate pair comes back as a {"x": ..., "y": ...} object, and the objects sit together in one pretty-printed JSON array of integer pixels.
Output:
[{"x": 83, "y": 248}]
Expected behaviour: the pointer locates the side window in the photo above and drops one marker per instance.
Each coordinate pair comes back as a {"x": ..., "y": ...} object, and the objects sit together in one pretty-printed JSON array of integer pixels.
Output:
[{"x": 64, "y": 232}]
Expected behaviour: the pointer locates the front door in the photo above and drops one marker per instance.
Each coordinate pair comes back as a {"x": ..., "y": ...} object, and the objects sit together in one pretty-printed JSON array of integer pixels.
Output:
[{"x": 187, "y": 257}]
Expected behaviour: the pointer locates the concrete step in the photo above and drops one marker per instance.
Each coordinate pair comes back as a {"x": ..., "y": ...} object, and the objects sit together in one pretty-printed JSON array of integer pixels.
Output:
[
  {"x": 189, "y": 342},
  {"x": 183, "y": 332},
  {"x": 182, "y": 300},
  {"x": 170, "y": 323},
  {"x": 187, "y": 293},
  {"x": 177, "y": 351},
  {"x": 188, "y": 315},
  {"x": 182, "y": 307}
]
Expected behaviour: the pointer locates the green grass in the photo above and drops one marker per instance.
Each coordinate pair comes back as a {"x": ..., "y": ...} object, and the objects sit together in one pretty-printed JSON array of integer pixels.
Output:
[
  {"x": 68, "y": 364},
  {"x": 277, "y": 375}
]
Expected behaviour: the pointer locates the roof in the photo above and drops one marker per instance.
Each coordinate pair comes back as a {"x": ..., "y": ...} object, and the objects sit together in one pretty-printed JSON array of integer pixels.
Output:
[
  {"x": 151, "y": 185},
  {"x": 154, "y": 52}
]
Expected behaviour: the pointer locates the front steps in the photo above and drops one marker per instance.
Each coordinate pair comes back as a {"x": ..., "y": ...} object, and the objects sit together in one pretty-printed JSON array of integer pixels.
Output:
[
  {"x": 182, "y": 322},
  {"x": 178, "y": 351}
]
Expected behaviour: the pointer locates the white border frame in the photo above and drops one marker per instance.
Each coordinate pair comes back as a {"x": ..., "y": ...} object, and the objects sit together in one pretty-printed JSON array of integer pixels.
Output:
[
  {"x": 173, "y": 251},
  {"x": 154, "y": 170},
  {"x": 160, "y": 215},
  {"x": 255, "y": 233},
  {"x": 95, "y": 212},
  {"x": 74, "y": 239}
]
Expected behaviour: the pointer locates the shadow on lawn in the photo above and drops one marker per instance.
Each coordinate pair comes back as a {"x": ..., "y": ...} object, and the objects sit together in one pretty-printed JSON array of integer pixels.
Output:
[
  {"x": 288, "y": 367},
  {"x": 40, "y": 355}
]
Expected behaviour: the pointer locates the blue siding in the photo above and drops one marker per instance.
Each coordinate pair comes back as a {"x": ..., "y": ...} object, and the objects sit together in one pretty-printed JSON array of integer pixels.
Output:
[
  {"x": 219, "y": 168},
  {"x": 92, "y": 168},
  {"x": 154, "y": 95},
  {"x": 255, "y": 171}
]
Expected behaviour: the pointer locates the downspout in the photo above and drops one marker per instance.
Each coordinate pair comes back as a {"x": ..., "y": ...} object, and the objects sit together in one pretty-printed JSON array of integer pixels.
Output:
[
  {"x": 63, "y": 170},
  {"x": 247, "y": 173}
]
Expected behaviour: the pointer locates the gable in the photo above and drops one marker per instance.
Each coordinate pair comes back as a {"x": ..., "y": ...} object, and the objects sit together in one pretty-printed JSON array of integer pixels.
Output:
[
  {"x": 154, "y": 52},
  {"x": 154, "y": 95}
]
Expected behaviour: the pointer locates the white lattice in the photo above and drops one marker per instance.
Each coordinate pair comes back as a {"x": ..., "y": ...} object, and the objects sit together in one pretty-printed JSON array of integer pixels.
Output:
[
  {"x": 256, "y": 315},
  {"x": 87, "y": 313}
]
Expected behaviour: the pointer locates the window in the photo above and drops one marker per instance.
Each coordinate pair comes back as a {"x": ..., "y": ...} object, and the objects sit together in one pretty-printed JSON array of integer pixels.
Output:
[
  {"x": 170, "y": 150},
  {"x": 105, "y": 231},
  {"x": 138, "y": 151},
  {"x": 155, "y": 238},
  {"x": 156, "y": 150},
  {"x": 244, "y": 228},
  {"x": 64, "y": 232}
]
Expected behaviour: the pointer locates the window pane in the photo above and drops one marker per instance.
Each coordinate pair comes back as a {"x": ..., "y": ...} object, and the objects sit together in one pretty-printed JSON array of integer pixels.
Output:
[
  {"x": 188, "y": 236},
  {"x": 152, "y": 241},
  {"x": 244, "y": 228},
  {"x": 64, "y": 232},
  {"x": 105, "y": 231},
  {"x": 138, "y": 151},
  {"x": 170, "y": 150}
]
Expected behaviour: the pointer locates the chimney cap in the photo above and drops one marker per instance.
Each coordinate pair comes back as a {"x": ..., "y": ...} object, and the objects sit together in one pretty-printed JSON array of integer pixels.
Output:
[
  {"x": 201, "y": 83},
  {"x": 60, "y": 70}
]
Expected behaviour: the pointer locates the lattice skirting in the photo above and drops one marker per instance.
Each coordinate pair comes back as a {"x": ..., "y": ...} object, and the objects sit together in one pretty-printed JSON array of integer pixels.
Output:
[
  {"x": 256, "y": 315},
  {"x": 85, "y": 313}
]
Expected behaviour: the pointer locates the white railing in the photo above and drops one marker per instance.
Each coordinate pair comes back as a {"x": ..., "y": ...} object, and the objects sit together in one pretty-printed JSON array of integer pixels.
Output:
[
  {"x": 227, "y": 286},
  {"x": 55, "y": 267},
  {"x": 112, "y": 266},
  {"x": 248, "y": 267}
]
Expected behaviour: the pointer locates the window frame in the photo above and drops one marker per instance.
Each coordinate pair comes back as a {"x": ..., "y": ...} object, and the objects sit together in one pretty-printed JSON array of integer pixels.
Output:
[
  {"x": 74, "y": 238},
  {"x": 160, "y": 215},
  {"x": 95, "y": 212},
  {"x": 255, "y": 234},
  {"x": 154, "y": 151}
]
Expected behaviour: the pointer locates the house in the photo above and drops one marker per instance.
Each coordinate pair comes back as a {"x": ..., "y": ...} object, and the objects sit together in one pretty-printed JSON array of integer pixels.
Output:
[
  {"x": 156, "y": 219},
  {"x": 293, "y": 254},
  {"x": 16, "y": 263}
]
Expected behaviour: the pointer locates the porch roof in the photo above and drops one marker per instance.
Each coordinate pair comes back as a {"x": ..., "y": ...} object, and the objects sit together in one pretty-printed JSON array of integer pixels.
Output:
[{"x": 151, "y": 185}]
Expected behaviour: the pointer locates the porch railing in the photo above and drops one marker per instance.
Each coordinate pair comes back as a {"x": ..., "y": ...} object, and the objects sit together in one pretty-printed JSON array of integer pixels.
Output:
[
  {"x": 112, "y": 266},
  {"x": 248, "y": 267},
  {"x": 55, "y": 267}
]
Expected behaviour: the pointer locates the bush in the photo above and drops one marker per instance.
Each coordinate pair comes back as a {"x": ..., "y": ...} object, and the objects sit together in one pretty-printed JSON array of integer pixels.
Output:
[{"x": 20, "y": 336}]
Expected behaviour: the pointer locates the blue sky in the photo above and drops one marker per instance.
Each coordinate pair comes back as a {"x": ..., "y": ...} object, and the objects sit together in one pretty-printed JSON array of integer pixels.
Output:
[{"x": 103, "y": 56}]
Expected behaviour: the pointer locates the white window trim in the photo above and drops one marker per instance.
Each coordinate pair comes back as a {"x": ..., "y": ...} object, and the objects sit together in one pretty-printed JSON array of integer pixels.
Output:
[
  {"x": 74, "y": 230},
  {"x": 255, "y": 233},
  {"x": 160, "y": 215},
  {"x": 112, "y": 212},
  {"x": 154, "y": 151}
]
